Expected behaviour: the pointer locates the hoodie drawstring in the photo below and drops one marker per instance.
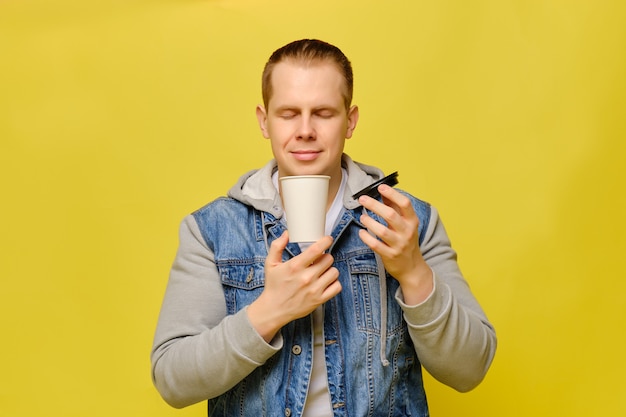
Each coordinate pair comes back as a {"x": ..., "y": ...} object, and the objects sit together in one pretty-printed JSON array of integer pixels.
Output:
[
  {"x": 267, "y": 245},
  {"x": 382, "y": 282}
]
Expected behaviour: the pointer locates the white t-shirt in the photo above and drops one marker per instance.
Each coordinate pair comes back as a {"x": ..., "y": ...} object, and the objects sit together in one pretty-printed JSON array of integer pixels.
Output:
[{"x": 318, "y": 402}]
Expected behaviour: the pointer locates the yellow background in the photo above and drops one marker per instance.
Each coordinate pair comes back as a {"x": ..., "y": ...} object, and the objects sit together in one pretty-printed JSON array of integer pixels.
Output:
[{"x": 117, "y": 118}]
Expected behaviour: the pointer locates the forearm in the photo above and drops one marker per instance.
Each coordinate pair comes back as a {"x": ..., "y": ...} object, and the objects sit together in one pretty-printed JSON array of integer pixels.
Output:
[
  {"x": 196, "y": 368},
  {"x": 454, "y": 344},
  {"x": 452, "y": 336},
  {"x": 199, "y": 352}
]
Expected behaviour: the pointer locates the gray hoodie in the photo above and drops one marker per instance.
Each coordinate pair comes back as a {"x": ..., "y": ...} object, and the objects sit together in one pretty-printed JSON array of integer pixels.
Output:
[{"x": 196, "y": 340}]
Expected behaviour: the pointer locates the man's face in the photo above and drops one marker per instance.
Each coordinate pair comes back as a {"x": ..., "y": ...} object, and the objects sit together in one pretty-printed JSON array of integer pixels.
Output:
[{"x": 306, "y": 119}]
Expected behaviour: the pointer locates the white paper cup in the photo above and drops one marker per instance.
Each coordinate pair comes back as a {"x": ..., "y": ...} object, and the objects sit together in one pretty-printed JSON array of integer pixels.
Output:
[{"x": 305, "y": 199}]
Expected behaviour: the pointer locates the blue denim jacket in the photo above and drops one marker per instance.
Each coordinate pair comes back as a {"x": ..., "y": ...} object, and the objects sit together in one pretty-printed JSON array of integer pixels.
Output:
[
  {"x": 372, "y": 366},
  {"x": 206, "y": 348}
]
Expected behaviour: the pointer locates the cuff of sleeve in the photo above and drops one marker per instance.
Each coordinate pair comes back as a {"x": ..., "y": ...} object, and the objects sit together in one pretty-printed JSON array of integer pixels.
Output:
[
  {"x": 428, "y": 311},
  {"x": 252, "y": 345}
]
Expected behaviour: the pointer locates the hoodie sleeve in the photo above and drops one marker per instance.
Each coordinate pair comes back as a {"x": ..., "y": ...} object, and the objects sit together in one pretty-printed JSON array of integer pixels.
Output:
[
  {"x": 199, "y": 351},
  {"x": 452, "y": 336}
]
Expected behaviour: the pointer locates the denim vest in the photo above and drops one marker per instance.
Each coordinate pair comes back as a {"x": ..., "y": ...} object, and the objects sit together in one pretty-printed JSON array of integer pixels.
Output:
[{"x": 361, "y": 382}]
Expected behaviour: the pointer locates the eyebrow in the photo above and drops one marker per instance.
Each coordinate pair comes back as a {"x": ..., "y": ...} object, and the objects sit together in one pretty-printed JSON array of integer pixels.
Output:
[
  {"x": 286, "y": 108},
  {"x": 313, "y": 110}
]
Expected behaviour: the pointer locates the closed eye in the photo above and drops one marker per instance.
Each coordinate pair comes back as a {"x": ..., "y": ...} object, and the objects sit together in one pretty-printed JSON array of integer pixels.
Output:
[
  {"x": 325, "y": 114},
  {"x": 287, "y": 115}
]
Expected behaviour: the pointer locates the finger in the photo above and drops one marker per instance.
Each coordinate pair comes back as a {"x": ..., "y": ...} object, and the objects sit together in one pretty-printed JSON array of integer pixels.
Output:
[
  {"x": 401, "y": 203},
  {"x": 397, "y": 211},
  {"x": 378, "y": 229},
  {"x": 313, "y": 252},
  {"x": 323, "y": 263},
  {"x": 381, "y": 247},
  {"x": 331, "y": 284},
  {"x": 376, "y": 206},
  {"x": 275, "y": 255}
]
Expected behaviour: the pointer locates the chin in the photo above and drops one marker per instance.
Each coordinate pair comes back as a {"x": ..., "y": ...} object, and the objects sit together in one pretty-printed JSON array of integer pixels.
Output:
[{"x": 302, "y": 170}]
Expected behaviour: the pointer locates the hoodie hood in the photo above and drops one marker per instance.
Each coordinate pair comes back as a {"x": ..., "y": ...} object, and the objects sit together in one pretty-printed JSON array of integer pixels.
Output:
[{"x": 256, "y": 189}]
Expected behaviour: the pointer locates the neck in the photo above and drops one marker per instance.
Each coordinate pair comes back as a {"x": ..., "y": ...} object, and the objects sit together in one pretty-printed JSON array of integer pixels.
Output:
[{"x": 333, "y": 188}]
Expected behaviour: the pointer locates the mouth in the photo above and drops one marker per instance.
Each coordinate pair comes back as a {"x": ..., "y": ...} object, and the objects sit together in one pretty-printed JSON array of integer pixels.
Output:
[{"x": 305, "y": 155}]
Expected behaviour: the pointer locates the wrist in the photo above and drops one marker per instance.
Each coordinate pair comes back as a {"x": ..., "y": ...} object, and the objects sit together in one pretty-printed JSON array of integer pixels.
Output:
[
  {"x": 263, "y": 320},
  {"x": 418, "y": 285}
]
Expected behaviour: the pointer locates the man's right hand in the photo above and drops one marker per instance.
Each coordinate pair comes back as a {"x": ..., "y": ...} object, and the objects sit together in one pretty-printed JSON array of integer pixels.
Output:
[{"x": 295, "y": 288}]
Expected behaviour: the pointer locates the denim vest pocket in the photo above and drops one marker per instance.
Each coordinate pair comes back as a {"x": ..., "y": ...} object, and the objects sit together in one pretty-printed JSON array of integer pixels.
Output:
[
  {"x": 243, "y": 283},
  {"x": 367, "y": 297}
]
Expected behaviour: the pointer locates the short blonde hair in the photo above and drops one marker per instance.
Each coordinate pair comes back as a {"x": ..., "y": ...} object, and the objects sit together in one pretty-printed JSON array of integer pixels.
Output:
[{"x": 309, "y": 51}]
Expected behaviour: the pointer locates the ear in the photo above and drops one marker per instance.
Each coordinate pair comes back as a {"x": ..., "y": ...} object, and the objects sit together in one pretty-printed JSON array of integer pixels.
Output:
[
  {"x": 261, "y": 115},
  {"x": 353, "y": 118}
]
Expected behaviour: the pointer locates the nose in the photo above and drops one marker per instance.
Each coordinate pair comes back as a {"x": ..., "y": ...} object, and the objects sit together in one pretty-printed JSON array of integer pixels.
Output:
[{"x": 306, "y": 130}]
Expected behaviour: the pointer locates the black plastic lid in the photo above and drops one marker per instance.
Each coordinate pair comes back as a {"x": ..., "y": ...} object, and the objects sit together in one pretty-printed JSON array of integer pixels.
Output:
[{"x": 372, "y": 189}]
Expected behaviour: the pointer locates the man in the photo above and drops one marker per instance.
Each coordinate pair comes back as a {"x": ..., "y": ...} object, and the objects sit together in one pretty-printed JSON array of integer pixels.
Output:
[{"x": 259, "y": 326}]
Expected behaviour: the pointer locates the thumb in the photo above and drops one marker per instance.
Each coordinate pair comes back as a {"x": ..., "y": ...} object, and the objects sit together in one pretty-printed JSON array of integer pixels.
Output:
[{"x": 275, "y": 255}]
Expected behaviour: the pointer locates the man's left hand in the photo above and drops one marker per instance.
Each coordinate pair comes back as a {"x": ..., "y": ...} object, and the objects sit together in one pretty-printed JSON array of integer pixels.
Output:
[{"x": 398, "y": 242}]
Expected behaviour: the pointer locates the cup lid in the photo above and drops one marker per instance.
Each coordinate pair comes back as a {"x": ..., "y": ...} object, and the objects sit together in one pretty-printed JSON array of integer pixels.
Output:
[{"x": 372, "y": 189}]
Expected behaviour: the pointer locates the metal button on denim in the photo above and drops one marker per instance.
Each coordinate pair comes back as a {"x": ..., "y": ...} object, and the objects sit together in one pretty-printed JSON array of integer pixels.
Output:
[{"x": 296, "y": 349}]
